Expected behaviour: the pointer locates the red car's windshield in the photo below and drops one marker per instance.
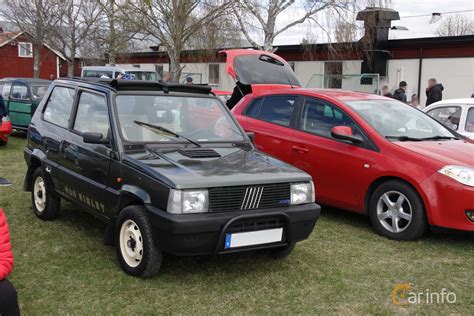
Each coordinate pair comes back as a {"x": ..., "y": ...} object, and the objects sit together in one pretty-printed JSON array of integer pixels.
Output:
[{"x": 395, "y": 120}]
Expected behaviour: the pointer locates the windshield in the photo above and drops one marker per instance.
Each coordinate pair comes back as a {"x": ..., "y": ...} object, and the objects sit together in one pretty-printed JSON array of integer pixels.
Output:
[
  {"x": 144, "y": 75},
  {"x": 38, "y": 91},
  {"x": 394, "y": 119},
  {"x": 200, "y": 119}
]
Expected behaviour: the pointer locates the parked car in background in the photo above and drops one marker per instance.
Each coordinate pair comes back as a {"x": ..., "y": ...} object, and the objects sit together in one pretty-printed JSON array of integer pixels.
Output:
[
  {"x": 21, "y": 97},
  {"x": 167, "y": 168},
  {"x": 113, "y": 72},
  {"x": 457, "y": 114}
]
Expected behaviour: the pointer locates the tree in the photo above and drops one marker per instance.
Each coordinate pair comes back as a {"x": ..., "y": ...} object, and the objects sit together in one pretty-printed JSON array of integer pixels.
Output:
[
  {"x": 172, "y": 23},
  {"x": 38, "y": 18},
  {"x": 77, "y": 19},
  {"x": 456, "y": 25},
  {"x": 345, "y": 32}
]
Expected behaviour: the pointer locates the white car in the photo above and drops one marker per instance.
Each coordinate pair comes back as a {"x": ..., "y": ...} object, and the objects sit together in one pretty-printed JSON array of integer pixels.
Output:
[{"x": 457, "y": 114}]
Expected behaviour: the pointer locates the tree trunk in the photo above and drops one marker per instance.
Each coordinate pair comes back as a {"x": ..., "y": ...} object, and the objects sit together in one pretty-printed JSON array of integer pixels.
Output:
[
  {"x": 175, "y": 65},
  {"x": 36, "y": 60},
  {"x": 70, "y": 67}
]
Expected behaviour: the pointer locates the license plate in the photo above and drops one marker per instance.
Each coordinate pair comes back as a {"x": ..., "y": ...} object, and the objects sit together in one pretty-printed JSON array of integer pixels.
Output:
[{"x": 253, "y": 238}]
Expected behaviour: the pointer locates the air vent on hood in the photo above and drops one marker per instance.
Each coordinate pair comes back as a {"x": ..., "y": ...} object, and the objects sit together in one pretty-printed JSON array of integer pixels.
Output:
[{"x": 199, "y": 153}]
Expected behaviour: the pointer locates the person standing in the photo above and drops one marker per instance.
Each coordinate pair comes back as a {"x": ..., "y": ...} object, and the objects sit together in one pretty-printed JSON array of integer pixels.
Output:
[
  {"x": 434, "y": 91},
  {"x": 386, "y": 92},
  {"x": 189, "y": 80},
  {"x": 8, "y": 297},
  {"x": 415, "y": 102},
  {"x": 166, "y": 77},
  {"x": 400, "y": 93}
]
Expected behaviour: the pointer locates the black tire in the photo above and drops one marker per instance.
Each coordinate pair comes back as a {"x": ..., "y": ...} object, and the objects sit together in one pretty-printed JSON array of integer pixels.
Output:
[
  {"x": 405, "y": 229},
  {"x": 151, "y": 256},
  {"x": 3, "y": 143},
  {"x": 282, "y": 252},
  {"x": 52, "y": 203}
]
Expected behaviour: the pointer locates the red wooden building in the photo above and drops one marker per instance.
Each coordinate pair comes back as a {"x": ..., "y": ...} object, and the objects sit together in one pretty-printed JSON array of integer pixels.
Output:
[{"x": 16, "y": 57}]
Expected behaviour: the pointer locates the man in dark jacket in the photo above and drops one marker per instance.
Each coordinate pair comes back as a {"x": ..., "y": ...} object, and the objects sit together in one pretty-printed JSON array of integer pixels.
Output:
[
  {"x": 240, "y": 91},
  {"x": 400, "y": 93},
  {"x": 434, "y": 92}
]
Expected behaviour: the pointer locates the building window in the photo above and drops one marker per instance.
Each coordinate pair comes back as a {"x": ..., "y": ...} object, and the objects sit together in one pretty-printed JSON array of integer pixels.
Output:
[
  {"x": 214, "y": 74},
  {"x": 333, "y": 74},
  {"x": 25, "y": 50},
  {"x": 159, "y": 70}
]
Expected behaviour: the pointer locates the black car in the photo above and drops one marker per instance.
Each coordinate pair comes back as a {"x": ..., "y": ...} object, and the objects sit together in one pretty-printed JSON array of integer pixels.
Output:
[{"x": 167, "y": 168}]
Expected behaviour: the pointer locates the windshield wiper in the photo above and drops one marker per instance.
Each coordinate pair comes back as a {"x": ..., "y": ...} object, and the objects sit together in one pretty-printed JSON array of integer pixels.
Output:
[
  {"x": 164, "y": 130},
  {"x": 404, "y": 138},
  {"x": 438, "y": 137}
]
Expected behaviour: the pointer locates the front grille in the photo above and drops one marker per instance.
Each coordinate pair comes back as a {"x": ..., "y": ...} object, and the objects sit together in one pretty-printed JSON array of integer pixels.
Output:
[
  {"x": 252, "y": 224},
  {"x": 249, "y": 197}
]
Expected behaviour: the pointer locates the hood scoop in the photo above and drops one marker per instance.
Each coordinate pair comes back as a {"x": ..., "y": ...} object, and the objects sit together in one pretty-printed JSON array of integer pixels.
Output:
[{"x": 199, "y": 153}]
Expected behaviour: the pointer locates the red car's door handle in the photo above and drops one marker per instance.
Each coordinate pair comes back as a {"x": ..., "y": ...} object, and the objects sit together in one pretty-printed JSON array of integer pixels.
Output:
[{"x": 300, "y": 149}]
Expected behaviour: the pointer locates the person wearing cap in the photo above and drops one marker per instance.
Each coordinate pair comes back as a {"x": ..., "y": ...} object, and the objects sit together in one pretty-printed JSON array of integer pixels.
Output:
[
  {"x": 189, "y": 80},
  {"x": 400, "y": 93}
]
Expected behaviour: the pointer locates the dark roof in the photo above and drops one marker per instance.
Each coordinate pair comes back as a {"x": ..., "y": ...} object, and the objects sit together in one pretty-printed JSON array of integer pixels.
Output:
[
  {"x": 141, "y": 85},
  {"x": 26, "y": 80}
]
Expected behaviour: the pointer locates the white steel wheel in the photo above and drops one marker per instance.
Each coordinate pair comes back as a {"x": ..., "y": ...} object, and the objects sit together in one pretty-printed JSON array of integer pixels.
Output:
[
  {"x": 394, "y": 211},
  {"x": 131, "y": 243},
  {"x": 39, "y": 194}
]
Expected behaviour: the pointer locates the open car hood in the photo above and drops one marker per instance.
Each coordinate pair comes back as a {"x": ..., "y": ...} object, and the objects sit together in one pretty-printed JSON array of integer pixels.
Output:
[{"x": 260, "y": 69}]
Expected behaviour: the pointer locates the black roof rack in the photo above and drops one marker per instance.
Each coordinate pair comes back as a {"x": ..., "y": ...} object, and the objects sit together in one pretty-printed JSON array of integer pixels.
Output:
[{"x": 145, "y": 85}]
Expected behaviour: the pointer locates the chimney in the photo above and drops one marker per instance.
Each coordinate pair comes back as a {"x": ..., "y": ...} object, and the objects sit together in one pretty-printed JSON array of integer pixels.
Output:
[{"x": 377, "y": 23}]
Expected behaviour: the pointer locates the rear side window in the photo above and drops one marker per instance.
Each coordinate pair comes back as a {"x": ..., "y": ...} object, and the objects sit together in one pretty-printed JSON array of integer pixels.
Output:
[
  {"x": 275, "y": 109},
  {"x": 59, "y": 106},
  {"x": 6, "y": 90},
  {"x": 20, "y": 92},
  {"x": 447, "y": 115},
  {"x": 470, "y": 121},
  {"x": 92, "y": 114}
]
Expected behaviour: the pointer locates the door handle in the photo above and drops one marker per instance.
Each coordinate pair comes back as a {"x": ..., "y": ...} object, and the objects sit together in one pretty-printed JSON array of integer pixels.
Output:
[{"x": 300, "y": 149}]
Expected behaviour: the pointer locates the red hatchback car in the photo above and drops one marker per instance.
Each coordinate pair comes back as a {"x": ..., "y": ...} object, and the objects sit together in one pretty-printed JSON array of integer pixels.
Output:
[{"x": 368, "y": 154}]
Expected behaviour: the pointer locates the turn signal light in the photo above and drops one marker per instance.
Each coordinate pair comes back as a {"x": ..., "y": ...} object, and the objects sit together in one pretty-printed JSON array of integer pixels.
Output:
[{"x": 470, "y": 215}]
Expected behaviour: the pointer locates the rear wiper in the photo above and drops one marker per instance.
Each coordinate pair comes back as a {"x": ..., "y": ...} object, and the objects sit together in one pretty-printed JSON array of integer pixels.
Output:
[
  {"x": 404, "y": 138},
  {"x": 164, "y": 130}
]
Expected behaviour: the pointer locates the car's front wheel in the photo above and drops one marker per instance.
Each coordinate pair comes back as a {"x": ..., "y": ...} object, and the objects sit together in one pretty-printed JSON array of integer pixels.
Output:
[
  {"x": 136, "y": 250},
  {"x": 397, "y": 211},
  {"x": 45, "y": 204}
]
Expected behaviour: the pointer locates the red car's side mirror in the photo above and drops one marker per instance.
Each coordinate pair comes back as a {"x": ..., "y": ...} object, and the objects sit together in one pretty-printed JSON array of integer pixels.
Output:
[{"x": 345, "y": 133}]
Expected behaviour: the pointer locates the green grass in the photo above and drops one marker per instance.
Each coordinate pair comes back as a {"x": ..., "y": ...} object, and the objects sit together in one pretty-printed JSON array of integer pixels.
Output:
[{"x": 344, "y": 267}]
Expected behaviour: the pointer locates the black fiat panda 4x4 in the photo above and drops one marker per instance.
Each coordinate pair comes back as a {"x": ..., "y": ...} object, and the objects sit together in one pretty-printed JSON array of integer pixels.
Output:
[{"x": 167, "y": 168}]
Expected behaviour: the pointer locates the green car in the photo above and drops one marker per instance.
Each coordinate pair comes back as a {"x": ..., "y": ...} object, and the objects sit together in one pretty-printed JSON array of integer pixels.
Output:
[{"x": 22, "y": 96}]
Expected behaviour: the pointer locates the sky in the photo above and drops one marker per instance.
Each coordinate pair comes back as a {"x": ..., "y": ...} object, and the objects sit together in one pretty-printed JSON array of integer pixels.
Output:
[{"x": 417, "y": 26}]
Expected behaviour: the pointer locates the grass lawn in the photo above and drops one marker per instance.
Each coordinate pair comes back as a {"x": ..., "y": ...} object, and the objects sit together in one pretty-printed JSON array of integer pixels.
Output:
[{"x": 344, "y": 267}]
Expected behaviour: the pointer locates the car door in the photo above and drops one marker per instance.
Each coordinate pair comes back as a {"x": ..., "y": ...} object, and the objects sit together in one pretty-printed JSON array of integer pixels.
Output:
[
  {"x": 341, "y": 170},
  {"x": 270, "y": 119},
  {"x": 19, "y": 105},
  {"x": 87, "y": 165}
]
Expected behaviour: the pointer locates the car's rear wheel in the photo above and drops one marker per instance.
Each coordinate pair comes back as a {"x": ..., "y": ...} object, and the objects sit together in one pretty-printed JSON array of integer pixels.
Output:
[
  {"x": 3, "y": 142},
  {"x": 45, "y": 204},
  {"x": 136, "y": 250},
  {"x": 397, "y": 211}
]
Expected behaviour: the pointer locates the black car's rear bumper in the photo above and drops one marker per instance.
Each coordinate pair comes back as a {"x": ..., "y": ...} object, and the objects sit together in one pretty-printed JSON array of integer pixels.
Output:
[{"x": 200, "y": 234}]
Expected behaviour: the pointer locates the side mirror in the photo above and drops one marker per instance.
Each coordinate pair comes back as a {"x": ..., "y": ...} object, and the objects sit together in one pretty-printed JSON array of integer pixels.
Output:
[
  {"x": 251, "y": 136},
  {"x": 94, "y": 138},
  {"x": 345, "y": 133}
]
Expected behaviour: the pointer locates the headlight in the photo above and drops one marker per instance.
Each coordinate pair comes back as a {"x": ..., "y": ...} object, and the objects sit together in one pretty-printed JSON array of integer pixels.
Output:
[
  {"x": 302, "y": 193},
  {"x": 188, "y": 201},
  {"x": 462, "y": 174}
]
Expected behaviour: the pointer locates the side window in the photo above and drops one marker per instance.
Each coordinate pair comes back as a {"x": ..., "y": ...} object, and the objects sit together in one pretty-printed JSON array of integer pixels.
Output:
[
  {"x": 92, "y": 114},
  {"x": 6, "y": 90},
  {"x": 447, "y": 115},
  {"x": 59, "y": 106},
  {"x": 277, "y": 109},
  {"x": 254, "y": 108},
  {"x": 20, "y": 92},
  {"x": 319, "y": 117},
  {"x": 470, "y": 121}
]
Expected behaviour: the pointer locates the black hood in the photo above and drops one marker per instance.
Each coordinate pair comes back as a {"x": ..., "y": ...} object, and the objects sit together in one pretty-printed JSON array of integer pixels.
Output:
[
  {"x": 235, "y": 166},
  {"x": 439, "y": 86}
]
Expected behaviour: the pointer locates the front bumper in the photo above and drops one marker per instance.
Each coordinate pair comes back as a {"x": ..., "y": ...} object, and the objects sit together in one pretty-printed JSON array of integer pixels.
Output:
[
  {"x": 201, "y": 234},
  {"x": 447, "y": 203}
]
